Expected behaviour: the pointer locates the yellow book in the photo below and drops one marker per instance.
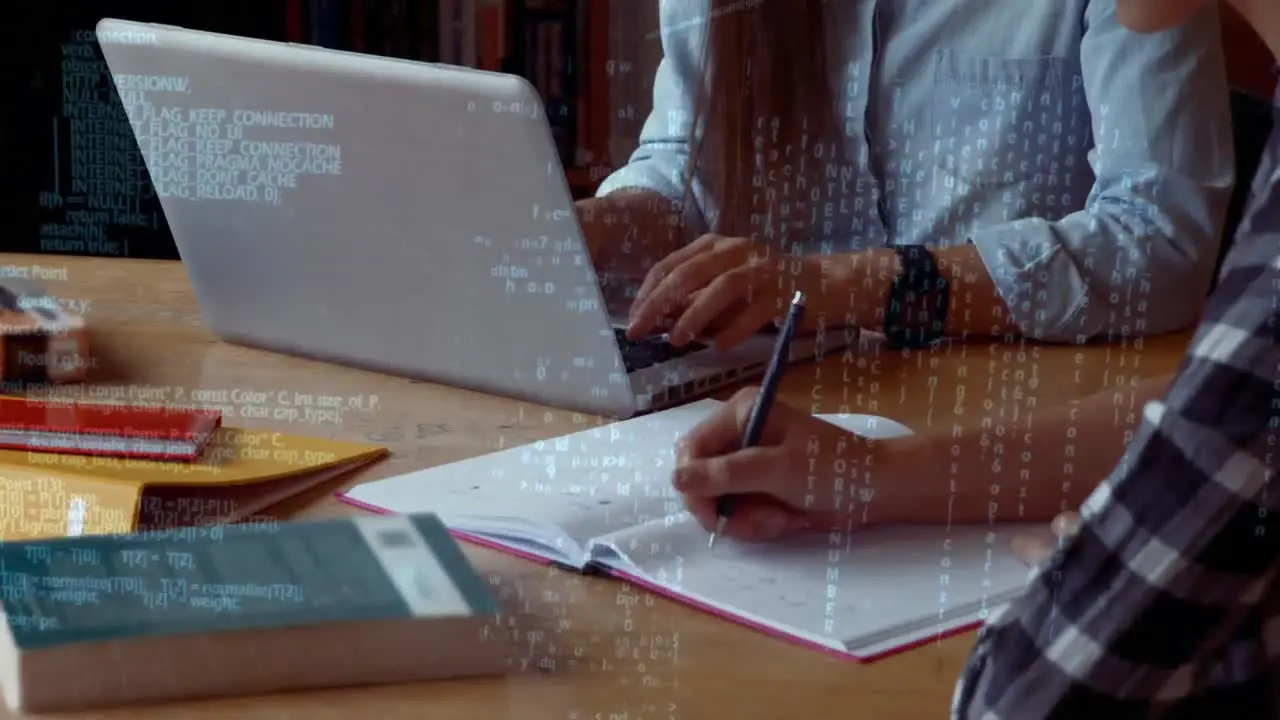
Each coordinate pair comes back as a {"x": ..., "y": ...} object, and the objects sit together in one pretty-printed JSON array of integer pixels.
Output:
[{"x": 241, "y": 473}]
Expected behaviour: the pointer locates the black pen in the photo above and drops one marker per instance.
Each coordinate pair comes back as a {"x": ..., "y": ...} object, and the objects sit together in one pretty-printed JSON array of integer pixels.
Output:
[{"x": 764, "y": 401}]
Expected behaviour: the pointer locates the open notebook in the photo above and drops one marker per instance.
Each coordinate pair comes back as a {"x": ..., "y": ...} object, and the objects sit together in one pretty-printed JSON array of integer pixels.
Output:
[{"x": 602, "y": 499}]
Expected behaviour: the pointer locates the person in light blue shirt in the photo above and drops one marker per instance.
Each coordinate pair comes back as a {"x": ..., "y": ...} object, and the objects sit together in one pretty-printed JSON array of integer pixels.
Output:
[{"x": 1068, "y": 177}]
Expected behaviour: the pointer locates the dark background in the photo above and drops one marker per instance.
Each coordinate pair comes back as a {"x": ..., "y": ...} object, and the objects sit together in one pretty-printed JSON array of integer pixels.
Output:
[{"x": 33, "y": 73}]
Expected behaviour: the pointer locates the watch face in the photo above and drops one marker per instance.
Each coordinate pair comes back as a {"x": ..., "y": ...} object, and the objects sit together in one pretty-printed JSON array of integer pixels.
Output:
[
  {"x": 915, "y": 311},
  {"x": 918, "y": 301}
]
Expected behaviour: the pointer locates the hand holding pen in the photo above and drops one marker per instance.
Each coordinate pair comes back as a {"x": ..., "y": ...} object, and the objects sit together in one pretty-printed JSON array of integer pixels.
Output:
[
  {"x": 764, "y": 403},
  {"x": 742, "y": 471}
]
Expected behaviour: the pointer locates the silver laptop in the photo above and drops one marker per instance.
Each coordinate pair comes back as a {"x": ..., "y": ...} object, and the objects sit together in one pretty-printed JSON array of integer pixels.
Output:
[{"x": 404, "y": 217}]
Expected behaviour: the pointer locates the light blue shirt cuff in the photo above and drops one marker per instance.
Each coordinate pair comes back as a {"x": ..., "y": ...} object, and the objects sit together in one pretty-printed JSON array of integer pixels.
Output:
[
  {"x": 646, "y": 175},
  {"x": 1042, "y": 297},
  {"x": 664, "y": 178}
]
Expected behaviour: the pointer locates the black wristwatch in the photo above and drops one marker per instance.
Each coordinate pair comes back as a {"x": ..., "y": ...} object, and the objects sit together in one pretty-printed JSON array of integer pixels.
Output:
[{"x": 915, "y": 311}]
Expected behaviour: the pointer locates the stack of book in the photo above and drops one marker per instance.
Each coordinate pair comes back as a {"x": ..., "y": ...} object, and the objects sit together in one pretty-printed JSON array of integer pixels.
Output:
[
  {"x": 123, "y": 539},
  {"x": 70, "y": 468}
]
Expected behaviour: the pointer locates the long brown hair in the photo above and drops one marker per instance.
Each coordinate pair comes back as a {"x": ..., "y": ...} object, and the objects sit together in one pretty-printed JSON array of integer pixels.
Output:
[{"x": 765, "y": 62}]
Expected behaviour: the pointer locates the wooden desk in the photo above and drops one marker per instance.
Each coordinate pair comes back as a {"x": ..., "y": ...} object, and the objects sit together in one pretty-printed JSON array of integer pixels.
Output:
[{"x": 588, "y": 649}]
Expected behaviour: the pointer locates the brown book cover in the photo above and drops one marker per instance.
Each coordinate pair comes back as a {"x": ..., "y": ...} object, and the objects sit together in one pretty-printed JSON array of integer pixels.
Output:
[{"x": 41, "y": 340}]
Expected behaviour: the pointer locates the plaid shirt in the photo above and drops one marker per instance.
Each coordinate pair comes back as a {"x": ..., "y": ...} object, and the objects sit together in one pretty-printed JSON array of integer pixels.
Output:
[{"x": 1167, "y": 601}]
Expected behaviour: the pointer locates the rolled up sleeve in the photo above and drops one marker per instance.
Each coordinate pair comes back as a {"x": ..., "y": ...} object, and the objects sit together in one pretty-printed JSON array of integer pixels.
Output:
[{"x": 1139, "y": 257}]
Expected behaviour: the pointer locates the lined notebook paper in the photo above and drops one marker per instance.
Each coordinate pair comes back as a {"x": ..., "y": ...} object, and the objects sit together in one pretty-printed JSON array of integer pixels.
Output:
[{"x": 602, "y": 498}]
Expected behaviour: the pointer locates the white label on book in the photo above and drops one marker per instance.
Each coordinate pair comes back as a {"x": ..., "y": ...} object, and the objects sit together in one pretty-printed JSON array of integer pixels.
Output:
[
  {"x": 75, "y": 517},
  {"x": 412, "y": 566}
]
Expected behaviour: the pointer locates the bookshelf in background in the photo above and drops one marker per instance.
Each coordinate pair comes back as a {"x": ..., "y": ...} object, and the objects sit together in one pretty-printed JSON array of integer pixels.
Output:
[{"x": 560, "y": 46}]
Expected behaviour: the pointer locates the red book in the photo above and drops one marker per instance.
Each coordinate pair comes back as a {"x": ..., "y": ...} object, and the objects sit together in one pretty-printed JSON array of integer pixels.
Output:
[
  {"x": 145, "y": 431},
  {"x": 295, "y": 21}
]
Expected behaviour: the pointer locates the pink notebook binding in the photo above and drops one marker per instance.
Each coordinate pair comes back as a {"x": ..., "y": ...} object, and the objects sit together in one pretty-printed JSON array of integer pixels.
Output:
[{"x": 601, "y": 500}]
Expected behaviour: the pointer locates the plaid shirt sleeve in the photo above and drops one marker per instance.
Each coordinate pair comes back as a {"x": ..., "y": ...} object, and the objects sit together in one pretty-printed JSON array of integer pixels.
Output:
[{"x": 1166, "y": 602}]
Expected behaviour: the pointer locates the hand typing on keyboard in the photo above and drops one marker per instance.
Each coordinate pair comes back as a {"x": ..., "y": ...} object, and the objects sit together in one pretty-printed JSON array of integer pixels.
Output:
[{"x": 723, "y": 290}]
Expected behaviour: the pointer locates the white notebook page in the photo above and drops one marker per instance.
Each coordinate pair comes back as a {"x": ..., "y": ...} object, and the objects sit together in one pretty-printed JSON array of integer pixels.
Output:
[
  {"x": 553, "y": 497},
  {"x": 576, "y": 487},
  {"x": 847, "y": 589}
]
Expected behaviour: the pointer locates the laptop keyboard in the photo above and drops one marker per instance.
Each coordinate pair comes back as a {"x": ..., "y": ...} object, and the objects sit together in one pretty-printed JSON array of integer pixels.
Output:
[{"x": 650, "y": 351}]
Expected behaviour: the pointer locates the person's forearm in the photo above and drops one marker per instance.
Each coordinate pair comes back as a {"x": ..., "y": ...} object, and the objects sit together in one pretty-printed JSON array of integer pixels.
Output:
[
  {"x": 856, "y": 285},
  {"x": 628, "y": 231},
  {"x": 1044, "y": 465}
]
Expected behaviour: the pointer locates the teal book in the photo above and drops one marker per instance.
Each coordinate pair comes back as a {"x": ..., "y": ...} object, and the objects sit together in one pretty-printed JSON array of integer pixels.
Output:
[{"x": 240, "y": 609}]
